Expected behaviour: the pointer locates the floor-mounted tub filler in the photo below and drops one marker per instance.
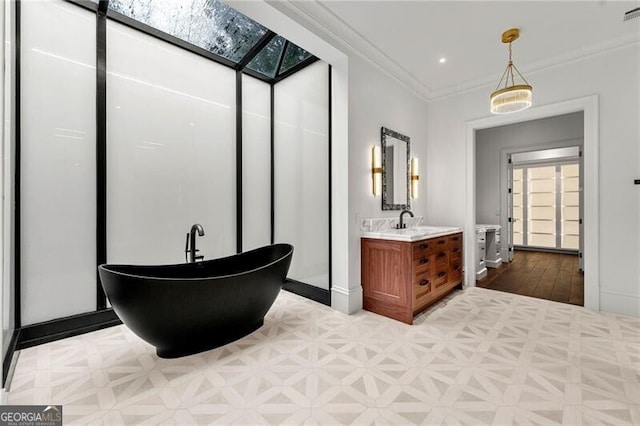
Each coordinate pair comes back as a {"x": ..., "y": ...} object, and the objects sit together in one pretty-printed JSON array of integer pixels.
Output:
[{"x": 193, "y": 307}]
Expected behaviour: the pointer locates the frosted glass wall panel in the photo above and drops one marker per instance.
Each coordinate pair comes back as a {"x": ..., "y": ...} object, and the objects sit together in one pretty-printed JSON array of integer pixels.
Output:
[
  {"x": 58, "y": 208},
  {"x": 170, "y": 150},
  {"x": 256, "y": 163},
  {"x": 302, "y": 172}
]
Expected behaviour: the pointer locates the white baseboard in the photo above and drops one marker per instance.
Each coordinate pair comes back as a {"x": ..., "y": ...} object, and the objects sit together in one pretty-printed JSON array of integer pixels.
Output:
[
  {"x": 481, "y": 274},
  {"x": 493, "y": 263},
  {"x": 620, "y": 303},
  {"x": 347, "y": 301}
]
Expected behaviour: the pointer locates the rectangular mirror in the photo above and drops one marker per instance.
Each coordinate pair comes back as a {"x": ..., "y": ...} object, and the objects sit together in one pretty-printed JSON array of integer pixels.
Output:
[{"x": 395, "y": 170}]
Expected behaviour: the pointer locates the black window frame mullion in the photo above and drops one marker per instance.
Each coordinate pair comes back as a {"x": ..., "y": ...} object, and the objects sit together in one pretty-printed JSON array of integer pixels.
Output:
[
  {"x": 17, "y": 222},
  {"x": 272, "y": 148},
  {"x": 89, "y": 5},
  {"x": 280, "y": 59},
  {"x": 101, "y": 147},
  {"x": 239, "y": 182},
  {"x": 161, "y": 35},
  {"x": 258, "y": 75},
  {"x": 257, "y": 48},
  {"x": 330, "y": 201},
  {"x": 298, "y": 67}
]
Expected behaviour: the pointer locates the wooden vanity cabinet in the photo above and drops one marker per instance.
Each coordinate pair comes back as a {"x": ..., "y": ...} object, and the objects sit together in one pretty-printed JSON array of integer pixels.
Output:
[{"x": 401, "y": 279}]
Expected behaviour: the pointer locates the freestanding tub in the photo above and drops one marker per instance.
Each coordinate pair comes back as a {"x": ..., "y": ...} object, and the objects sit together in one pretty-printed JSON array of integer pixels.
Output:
[{"x": 192, "y": 307}]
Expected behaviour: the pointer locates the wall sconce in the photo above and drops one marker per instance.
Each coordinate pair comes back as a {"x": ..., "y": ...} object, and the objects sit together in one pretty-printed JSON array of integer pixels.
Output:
[
  {"x": 376, "y": 170},
  {"x": 415, "y": 177}
]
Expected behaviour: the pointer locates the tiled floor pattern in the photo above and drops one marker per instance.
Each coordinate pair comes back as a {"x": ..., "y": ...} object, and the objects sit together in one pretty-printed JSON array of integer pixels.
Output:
[{"x": 484, "y": 357}]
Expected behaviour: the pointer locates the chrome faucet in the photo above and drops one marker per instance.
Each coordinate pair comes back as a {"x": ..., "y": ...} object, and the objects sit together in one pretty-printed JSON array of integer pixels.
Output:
[
  {"x": 190, "y": 246},
  {"x": 401, "y": 224}
]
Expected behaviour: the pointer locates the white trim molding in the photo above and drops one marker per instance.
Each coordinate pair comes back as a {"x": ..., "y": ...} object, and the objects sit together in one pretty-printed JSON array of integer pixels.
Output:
[
  {"x": 334, "y": 29},
  {"x": 622, "y": 302},
  {"x": 346, "y": 300},
  {"x": 591, "y": 256}
]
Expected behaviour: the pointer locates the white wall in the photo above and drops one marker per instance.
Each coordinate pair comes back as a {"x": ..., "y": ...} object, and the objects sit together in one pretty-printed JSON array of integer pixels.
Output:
[
  {"x": 256, "y": 167},
  {"x": 375, "y": 101},
  {"x": 491, "y": 143},
  {"x": 58, "y": 177},
  {"x": 301, "y": 171},
  {"x": 170, "y": 150},
  {"x": 619, "y": 159}
]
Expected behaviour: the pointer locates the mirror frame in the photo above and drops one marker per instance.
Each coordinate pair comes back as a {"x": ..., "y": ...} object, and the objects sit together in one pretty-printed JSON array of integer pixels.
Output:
[{"x": 385, "y": 202}]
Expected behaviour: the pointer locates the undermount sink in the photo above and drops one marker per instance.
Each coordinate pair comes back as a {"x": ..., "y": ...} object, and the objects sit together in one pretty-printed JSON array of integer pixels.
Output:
[{"x": 411, "y": 234}]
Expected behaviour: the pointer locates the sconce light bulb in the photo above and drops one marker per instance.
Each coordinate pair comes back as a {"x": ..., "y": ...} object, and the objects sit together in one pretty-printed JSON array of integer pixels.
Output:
[
  {"x": 376, "y": 170},
  {"x": 415, "y": 177}
]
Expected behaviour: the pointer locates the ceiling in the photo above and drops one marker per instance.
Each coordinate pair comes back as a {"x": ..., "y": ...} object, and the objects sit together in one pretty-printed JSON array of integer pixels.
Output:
[{"x": 407, "y": 38}]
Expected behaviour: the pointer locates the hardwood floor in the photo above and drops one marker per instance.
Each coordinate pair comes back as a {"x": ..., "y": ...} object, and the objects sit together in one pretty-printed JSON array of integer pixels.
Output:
[{"x": 550, "y": 276}]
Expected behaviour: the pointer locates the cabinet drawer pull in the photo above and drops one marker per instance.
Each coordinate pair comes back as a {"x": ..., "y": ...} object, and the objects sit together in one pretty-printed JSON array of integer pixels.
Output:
[
  {"x": 424, "y": 260},
  {"x": 424, "y": 246},
  {"x": 441, "y": 241},
  {"x": 442, "y": 254},
  {"x": 455, "y": 250},
  {"x": 441, "y": 274},
  {"x": 424, "y": 282},
  {"x": 455, "y": 238}
]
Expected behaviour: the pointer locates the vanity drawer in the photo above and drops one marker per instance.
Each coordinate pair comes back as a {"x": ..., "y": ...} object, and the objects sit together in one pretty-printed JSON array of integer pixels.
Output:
[
  {"x": 422, "y": 265},
  {"x": 423, "y": 249},
  {"x": 441, "y": 259},
  {"x": 455, "y": 241},
  {"x": 440, "y": 243},
  {"x": 455, "y": 253},
  {"x": 440, "y": 278},
  {"x": 455, "y": 270},
  {"x": 422, "y": 284},
  {"x": 422, "y": 290}
]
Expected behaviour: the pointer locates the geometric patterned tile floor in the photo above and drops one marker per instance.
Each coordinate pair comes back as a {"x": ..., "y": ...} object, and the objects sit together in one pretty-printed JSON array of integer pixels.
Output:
[{"x": 480, "y": 357}]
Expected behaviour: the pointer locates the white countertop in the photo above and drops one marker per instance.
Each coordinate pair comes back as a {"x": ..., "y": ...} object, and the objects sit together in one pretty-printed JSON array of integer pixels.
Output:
[
  {"x": 485, "y": 228},
  {"x": 411, "y": 234}
]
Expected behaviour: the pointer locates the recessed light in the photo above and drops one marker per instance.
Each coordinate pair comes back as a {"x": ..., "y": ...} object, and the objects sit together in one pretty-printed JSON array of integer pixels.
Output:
[{"x": 442, "y": 60}]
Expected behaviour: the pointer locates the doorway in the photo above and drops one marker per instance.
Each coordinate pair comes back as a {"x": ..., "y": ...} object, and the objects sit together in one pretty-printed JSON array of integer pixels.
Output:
[
  {"x": 589, "y": 107},
  {"x": 544, "y": 201}
]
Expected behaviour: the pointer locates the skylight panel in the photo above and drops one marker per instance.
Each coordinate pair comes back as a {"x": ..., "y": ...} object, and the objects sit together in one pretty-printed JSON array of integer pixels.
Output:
[
  {"x": 293, "y": 56},
  {"x": 266, "y": 61},
  {"x": 209, "y": 24}
]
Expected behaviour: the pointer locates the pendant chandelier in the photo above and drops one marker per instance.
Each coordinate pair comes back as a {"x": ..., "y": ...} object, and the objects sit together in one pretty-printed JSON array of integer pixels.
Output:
[{"x": 511, "y": 97}]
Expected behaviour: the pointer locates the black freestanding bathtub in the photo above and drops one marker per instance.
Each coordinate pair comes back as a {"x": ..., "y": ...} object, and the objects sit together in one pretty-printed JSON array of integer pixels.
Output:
[{"x": 192, "y": 307}]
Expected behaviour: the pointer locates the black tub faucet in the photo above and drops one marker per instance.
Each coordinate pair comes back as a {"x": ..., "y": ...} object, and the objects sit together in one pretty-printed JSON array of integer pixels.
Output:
[
  {"x": 401, "y": 224},
  {"x": 190, "y": 246}
]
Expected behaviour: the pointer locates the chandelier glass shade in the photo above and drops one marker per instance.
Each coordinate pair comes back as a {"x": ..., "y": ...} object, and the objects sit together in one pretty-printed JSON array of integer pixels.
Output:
[{"x": 511, "y": 97}]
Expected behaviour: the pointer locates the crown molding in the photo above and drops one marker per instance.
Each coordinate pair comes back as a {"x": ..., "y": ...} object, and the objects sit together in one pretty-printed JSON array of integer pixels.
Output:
[
  {"x": 546, "y": 64},
  {"x": 318, "y": 18}
]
